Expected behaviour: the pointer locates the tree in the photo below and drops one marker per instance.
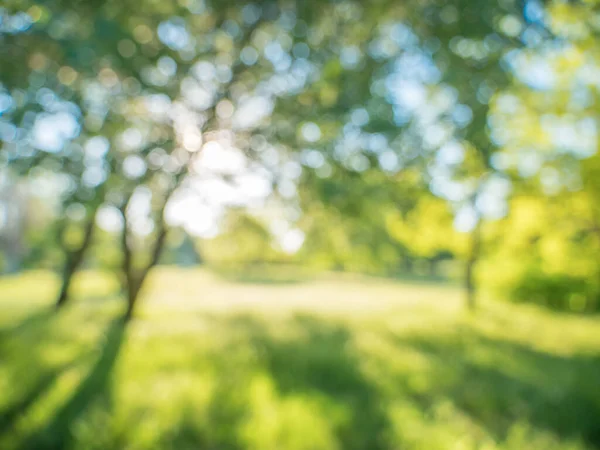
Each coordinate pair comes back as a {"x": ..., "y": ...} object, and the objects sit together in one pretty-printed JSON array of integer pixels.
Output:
[
  {"x": 153, "y": 88},
  {"x": 545, "y": 123},
  {"x": 414, "y": 92}
]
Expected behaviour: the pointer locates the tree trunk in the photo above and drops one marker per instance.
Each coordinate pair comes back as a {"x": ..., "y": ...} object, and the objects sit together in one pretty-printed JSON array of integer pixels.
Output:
[
  {"x": 134, "y": 281},
  {"x": 67, "y": 276},
  {"x": 74, "y": 260},
  {"x": 129, "y": 280},
  {"x": 132, "y": 296},
  {"x": 472, "y": 259}
]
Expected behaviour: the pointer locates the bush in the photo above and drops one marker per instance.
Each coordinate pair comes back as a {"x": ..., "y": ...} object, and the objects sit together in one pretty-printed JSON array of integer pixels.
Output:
[{"x": 562, "y": 292}]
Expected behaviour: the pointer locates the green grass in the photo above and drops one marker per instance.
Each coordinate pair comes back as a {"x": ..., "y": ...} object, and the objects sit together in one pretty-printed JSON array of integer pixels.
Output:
[{"x": 337, "y": 363}]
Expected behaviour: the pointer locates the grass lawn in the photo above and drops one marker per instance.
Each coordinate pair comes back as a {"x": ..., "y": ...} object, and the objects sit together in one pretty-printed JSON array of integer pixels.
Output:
[{"x": 336, "y": 363}]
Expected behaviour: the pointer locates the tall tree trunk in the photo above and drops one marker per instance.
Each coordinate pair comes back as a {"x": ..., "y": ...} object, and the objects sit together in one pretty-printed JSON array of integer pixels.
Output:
[
  {"x": 132, "y": 296},
  {"x": 472, "y": 259},
  {"x": 74, "y": 260}
]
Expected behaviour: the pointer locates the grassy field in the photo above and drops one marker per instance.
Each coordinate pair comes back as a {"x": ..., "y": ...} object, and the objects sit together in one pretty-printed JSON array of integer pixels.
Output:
[{"x": 336, "y": 363}]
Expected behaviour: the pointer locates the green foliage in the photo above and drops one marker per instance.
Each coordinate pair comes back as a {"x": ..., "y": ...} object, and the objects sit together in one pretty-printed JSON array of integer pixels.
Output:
[
  {"x": 545, "y": 252},
  {"x": 400, "y": 114},
  {"x": 561, "y": 292},
  {"x": 245, "y": 240}
]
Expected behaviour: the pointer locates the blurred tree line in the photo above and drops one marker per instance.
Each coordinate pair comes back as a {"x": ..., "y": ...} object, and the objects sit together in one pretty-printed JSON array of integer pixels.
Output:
[{"x": 423, "y": 137}]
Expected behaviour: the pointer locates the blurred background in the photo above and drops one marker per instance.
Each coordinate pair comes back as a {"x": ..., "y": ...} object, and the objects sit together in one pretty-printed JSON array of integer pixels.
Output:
[{"x": 303, "y": 225}]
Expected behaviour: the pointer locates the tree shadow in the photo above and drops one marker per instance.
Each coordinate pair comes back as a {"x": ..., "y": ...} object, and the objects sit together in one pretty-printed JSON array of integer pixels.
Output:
[
  {"x": 558, "y": 394},
  {"x": 321, "y": 360},
  {"x": 31, "y": 377},
  {"x": 57, "y": 432},
  {"x": 32, "y": 321},
  {"x": 513, "y": 383},
  {"x": 40, "y": 320},
  {"x": 43, "y": 384},
  {"x": 495, "y": 383}
]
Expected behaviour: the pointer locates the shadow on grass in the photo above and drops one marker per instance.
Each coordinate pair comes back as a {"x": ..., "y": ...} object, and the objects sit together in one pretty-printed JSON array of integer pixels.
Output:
[
  {"x": 32, "y": 321},
  {"x": 496, "y": 383},
  {"x": 551, "y": 393},
  {"x": 46, "y": 316},
  {"x": 57, "y": 433},
  {"x": 9, "y": 416},
  {"x": 319, "y": 364},
  {"x": 560, "y": 395},
  {"x": 322, "y": 362}
]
